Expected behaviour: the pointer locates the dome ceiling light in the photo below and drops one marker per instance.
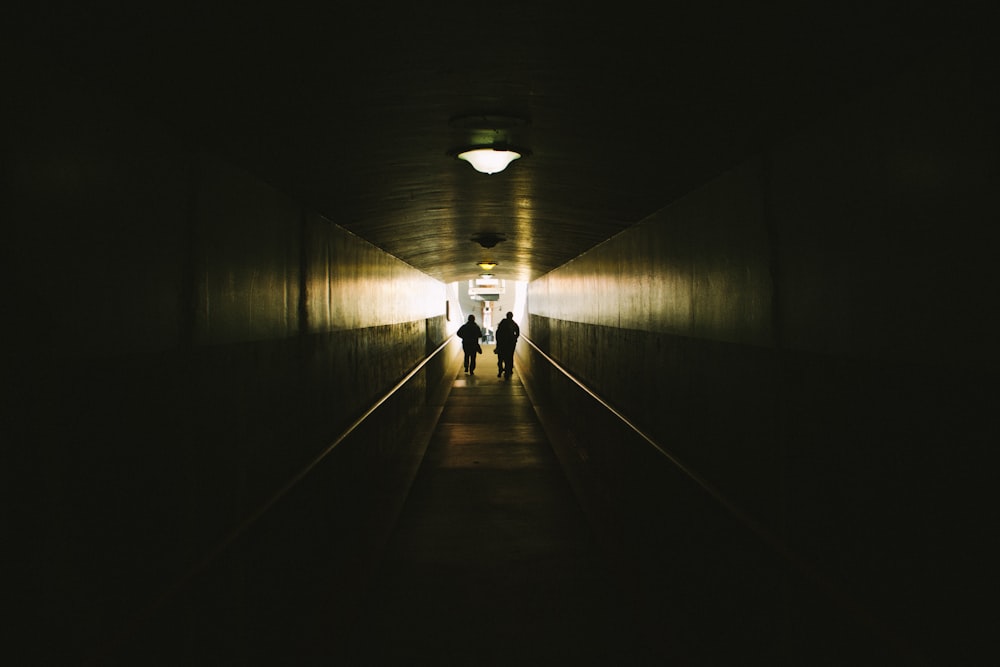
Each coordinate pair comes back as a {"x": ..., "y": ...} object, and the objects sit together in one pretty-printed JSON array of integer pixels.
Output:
[
  {"x": 487, "y": 265},
  {"x": 489, "y": 159},
  {"x": 488, "y": 239},
  {"x": 488, "y": 146}
]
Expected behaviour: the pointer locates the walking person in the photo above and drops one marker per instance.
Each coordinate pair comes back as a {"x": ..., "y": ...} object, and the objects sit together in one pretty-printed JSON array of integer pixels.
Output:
[
  {"x": 507, "y": 335},
  {"x": 470, "y": 335}
]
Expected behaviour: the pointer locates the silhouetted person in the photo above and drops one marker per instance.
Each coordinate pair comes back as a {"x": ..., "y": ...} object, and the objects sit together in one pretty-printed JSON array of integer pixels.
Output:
[
  {"x": 507, "y": 335},
  {"x": 470, "y": 335}
]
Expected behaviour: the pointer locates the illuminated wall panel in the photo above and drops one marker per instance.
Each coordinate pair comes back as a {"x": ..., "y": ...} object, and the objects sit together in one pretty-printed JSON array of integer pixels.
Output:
[
  {"x": 699, "y": 267},
  {"x": 247, "y": 263},
  {"x": 351, "y": 284}
]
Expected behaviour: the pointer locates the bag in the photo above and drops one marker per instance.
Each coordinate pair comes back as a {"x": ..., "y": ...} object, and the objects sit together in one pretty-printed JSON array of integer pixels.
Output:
[{"x": 479, "y": 348}]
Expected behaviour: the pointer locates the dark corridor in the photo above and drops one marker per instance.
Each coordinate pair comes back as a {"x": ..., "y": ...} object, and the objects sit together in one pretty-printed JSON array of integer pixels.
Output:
[{"x": 764, "y": 236}]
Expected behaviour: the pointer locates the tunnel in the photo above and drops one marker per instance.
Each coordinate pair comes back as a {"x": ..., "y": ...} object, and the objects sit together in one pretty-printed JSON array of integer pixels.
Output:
[{"x": 753, "y": 413}]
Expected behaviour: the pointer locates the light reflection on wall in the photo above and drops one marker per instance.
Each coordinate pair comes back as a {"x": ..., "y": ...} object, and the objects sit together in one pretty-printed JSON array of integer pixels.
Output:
[
  {"x": 700, "y": 267},
  {"x": 352, "y": 284},
  {"x": 454, "y": 307},
  {"x": 520, "y": 308},
  {"x": 524, "y": 223},
  {"x": 247, "y": 247}
]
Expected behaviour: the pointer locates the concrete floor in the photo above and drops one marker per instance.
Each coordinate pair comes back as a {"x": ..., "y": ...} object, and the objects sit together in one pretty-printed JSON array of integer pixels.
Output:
[{"x": 492, "y": 561}]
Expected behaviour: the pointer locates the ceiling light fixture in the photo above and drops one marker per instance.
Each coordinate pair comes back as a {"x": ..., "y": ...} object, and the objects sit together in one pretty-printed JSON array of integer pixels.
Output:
[
  {"x": 489, "y": 159},
  {"x": 488, "y": 239},
  {"x": 487, "y": 265},
  {"x": 489, "y": 141}
]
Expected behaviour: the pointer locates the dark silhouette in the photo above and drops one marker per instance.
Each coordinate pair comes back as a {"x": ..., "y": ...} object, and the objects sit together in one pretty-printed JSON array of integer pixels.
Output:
[
  {"x": 507, "y": 335},
  {"x": 470, "y": 335}
]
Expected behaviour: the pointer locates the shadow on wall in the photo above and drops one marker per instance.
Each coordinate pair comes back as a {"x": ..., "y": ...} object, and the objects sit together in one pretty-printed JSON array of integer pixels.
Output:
[
  {"x": 879, "y": 528},
  {"x": 187, "y": 344}
]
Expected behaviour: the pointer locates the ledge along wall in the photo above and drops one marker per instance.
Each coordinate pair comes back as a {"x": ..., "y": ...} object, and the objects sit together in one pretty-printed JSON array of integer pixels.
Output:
[
  {"x": 813, "y": 332},
  {"x": 181, "y": 340}
]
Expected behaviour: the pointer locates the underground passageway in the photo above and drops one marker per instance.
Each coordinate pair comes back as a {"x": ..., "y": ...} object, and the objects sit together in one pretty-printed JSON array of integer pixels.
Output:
[{"x": 751, "y": 253}]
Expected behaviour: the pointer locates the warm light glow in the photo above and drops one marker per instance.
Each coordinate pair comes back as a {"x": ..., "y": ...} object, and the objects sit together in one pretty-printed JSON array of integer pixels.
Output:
[
  {"x": 488, "y": 160},
  {"x": 487, "y": 266}
]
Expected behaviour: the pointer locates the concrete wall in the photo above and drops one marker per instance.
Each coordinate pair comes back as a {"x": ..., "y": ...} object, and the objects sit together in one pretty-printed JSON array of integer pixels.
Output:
[
  {"x": 180, "y": 339},
  {"x": 814, "y": 332}
]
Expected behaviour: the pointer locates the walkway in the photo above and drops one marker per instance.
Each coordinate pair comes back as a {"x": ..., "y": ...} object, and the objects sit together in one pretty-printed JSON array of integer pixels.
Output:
[{"x": 492, "y": 561}]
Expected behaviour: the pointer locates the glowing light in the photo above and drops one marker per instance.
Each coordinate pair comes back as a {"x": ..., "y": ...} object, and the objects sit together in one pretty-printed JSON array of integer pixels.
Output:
[{"x": 489, "y": 160}]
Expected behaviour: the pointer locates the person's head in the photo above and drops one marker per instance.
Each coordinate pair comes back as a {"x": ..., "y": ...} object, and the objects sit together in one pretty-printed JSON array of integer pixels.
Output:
[
  {"x": 510, "y": 315},
  {"x": 472, "y": 318}
]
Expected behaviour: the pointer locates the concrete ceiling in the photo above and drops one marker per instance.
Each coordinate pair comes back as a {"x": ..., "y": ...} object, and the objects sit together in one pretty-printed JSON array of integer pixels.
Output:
[{"x": 348, "y": 108}]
